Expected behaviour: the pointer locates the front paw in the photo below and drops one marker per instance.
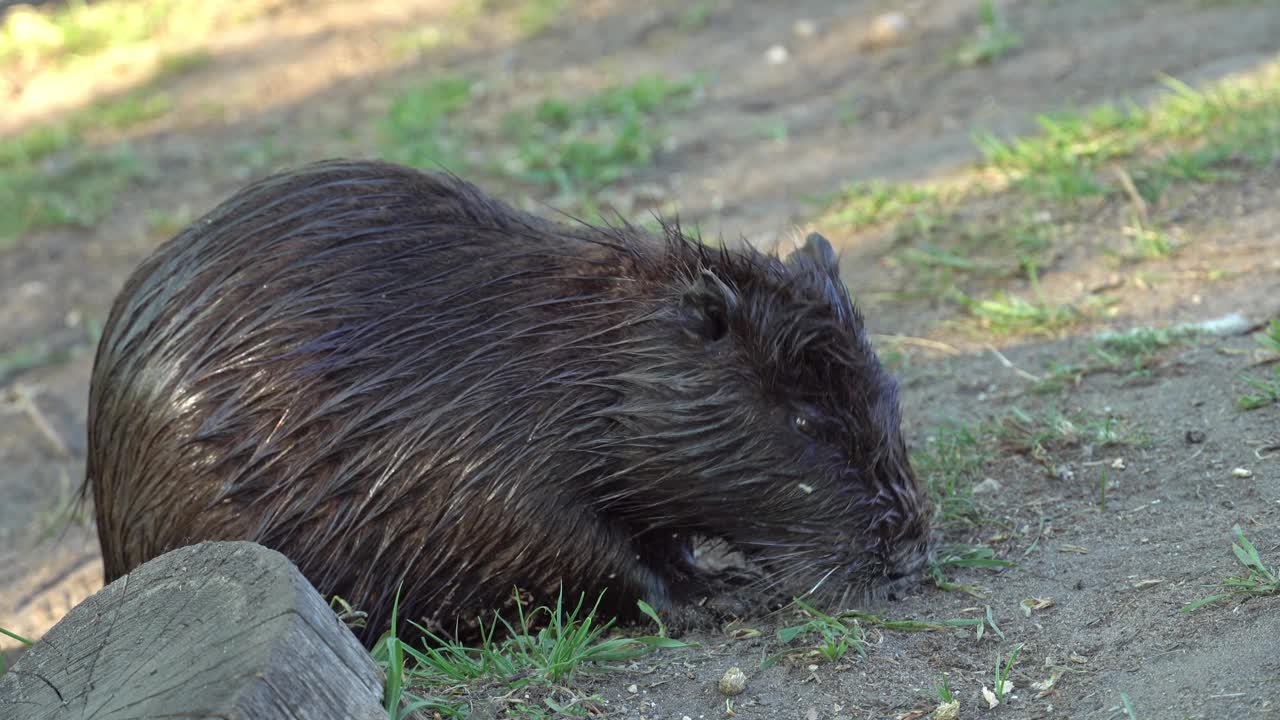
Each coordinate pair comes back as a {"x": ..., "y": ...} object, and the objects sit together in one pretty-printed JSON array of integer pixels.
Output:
[{"x": 687, "y": 618}]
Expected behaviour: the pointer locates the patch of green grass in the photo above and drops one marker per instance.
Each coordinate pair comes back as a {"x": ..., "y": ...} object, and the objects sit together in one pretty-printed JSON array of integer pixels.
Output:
[
  {"x": 580, "y": 146},
  {"x": 1147, "y": 242},
  {"x": 182, "y": 63},
  {"x": 1061, "y": 161},
  {"x": 1138, "y": 347},
  {"x": 993, "y": 39},
  {"x": 542, "y": 650},
  {"x": 834, "y": 637},
  {"x": 1188, "y": 135},
  {"x": 908, "y": 625},
  {"x": 1133, "y": 352},
  {"x": 1269, "y": 337},
  {"x": 1258, "y": 579},
  {"x": 416, "y": 130},
  {"x": 940, "y": 251},
  {"x": 1008, "y": 314},
  {"x": 80, "y": 28},
  {"x": 1141, "y": 342},
  {"x": 37, "y": 143},
  {"x": 949, "y": 464},
  {"x": 67, "y": 133},
  {"x": 1002, "y": 672},
  {"x": 696, "y": 15},
  {"x": 536, "y": 16},
  {"x": 1266, "y": 391},
  {"x": 1053, "y": 431},
  {"x": 962, "y": 556},
  {"x": 866, "y": 204},
  {"x": 775, "y": 130},
  {"x": 942, "y": 689},
  {"x": 78, "y": 193},
  {"x": 1267, "y": 388},
  {"x": 124, "y": 112}
]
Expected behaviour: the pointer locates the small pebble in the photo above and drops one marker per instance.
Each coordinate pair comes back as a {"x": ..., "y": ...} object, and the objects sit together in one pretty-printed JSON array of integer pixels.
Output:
[
  {"x": 887, "y": 29},
  {"x": 733, "y": 682},
  {"x": 633, "y": 688},
  {"x": 990, "y": 485},
  {"x": 776, "y": 55},
  {"x": 1242, "y": 473}
]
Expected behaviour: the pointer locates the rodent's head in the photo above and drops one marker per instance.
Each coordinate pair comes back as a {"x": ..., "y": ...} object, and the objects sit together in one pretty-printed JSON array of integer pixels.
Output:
[{"x": 778, "y": 431}]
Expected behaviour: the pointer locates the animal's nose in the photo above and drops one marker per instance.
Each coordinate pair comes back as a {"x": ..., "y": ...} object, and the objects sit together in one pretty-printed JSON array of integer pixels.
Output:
[{"x": 908, "y": 560}]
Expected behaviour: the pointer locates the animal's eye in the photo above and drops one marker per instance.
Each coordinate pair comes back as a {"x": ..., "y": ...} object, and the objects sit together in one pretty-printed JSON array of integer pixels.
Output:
[{"x": 803, "y": 425}]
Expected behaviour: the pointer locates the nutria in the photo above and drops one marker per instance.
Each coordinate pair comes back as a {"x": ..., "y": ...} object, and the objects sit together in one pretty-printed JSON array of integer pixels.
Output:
[{"x": 398, "y": 381}]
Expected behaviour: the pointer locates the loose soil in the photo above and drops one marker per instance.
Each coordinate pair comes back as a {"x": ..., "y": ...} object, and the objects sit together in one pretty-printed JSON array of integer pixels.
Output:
[{"x": 302, "y": 81}]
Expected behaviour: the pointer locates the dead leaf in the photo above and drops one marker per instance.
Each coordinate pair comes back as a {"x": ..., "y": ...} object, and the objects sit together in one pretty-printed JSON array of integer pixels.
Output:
[
  {"x": 1044, "y": 687},
  {"x": 990, "y": 697},
  {"x": 1036, "y": 604}
]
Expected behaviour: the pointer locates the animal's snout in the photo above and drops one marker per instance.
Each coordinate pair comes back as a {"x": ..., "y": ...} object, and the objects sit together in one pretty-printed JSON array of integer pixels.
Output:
[{"x": 907, "y": 560}]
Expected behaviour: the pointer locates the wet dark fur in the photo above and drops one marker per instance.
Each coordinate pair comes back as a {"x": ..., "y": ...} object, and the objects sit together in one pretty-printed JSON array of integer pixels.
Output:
[{"x": 392, "y": 378}]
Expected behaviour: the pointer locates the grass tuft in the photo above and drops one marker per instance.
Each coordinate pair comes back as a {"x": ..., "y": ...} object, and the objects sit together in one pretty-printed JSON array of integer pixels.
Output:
[
  {"x": 950, "y": 463},
  {"x": 581, "y": 146},
  {"x": 1002, "y": 673},
  {"x": 416, "y": 129},
  {"x": 78, "y": 193},
  {"x": 544, "y": 648},
  {"x": 1269, "y": 337},
  {"x": 835, "y": 636},
  {"x": 1187, "y": 135},
  {"x": 537, "y": 16},
  {"x": 963, "y": 556},
  {"x": 943, "y": 689},
  {"x": 865, "y": 204},
  {"x": 1267, "y": 389},
  {"x": 1053, "y": 431},
  {"x": 1258, "y": 579},
  {"x": 1133, "y": 353},
  {"x": 1007, "y": 314},
  {"x": 80, "y": 29},
  {"x": 993, "y": 39}
]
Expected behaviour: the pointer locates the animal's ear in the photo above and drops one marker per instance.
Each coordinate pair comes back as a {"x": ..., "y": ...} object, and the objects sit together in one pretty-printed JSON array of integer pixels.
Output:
[
  {"x": 818, "y": 250},
  {"x": 705, "y": 307}
]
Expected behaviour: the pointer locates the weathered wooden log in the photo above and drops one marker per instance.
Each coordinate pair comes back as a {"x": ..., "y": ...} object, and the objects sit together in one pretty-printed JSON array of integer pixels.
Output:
[{"x": 216, "y": 630}]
